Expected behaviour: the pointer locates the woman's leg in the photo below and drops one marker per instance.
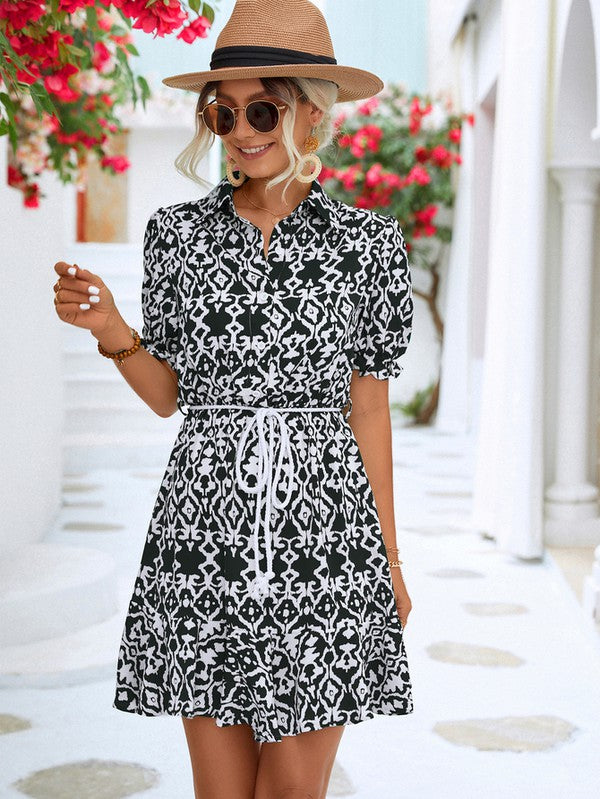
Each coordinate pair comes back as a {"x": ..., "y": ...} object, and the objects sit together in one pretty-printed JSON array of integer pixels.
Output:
[
  {"x": 224, "y": 759},
  {"x": 298, "y": 766}
]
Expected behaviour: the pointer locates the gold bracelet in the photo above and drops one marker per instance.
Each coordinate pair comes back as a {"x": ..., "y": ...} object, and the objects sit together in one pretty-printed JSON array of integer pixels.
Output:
[
  {"x": 397, "y": 563},
  {"x": 122, "y": 354}
]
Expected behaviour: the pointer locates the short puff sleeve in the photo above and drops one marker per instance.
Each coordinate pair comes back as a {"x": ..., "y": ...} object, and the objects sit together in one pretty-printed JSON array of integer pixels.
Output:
[
  {"x": 160, "y": 306},
  {"x": 385, "y": 317}
]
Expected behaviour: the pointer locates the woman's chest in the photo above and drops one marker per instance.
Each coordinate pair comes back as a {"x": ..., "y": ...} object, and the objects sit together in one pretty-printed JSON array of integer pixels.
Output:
[{"x": 304, "y": 293}]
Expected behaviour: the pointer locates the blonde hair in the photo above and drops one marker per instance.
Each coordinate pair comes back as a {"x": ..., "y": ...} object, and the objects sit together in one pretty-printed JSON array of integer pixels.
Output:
[{"x": 323, "y": 93}]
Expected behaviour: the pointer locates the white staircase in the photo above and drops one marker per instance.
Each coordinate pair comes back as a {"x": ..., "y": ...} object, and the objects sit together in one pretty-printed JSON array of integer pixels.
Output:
[{"x": 106, "y": 423}]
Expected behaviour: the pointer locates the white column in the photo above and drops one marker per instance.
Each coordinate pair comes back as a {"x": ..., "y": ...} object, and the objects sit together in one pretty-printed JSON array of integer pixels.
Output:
[
  {"x": 572, "y": 496},
  {"x": 454, "y": 410},
  {"x": 508, "y": 480}
]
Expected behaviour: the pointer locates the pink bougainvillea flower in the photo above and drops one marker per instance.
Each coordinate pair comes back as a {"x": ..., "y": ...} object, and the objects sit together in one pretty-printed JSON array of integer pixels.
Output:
[
  {"x": 368, "y": 106},
  {"x": 160, "y": 17},
  {"x": 57, "y": 84},
  {"x": 417, "y": 112},
  {"x": 454, "y": 134},
  {"x": 73, "y": 5},
  {"x": 425, "y": 215},
  {"x": 198, "y": 29},
  {"x": 418, "y": 175},
  {"x": 326, "y": 173},
  {"x": 339, "y": 120},
  {"x": 118, "y": 163},
  {"x": 18, "y": 13},
  {"x": 101, "y": 56},
  {"x": 442, "y": 157},
  {"x": 373, "y": 176}
]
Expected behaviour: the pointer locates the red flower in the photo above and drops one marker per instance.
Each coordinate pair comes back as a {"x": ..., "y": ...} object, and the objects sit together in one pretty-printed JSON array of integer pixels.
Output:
[
  {"x": 366, "y": 138},
  {"x": 421, "y": 154},
  {"x": 368, "y": 106},
  {"x": 417, "y": 112},
  {"x": 101, "y": 56},
  {"x": 20, "y": 12},
  {"x": 158, "y": 17},
  {"x": 118, "y": 163},
  {"x": 418, "y": 175},
  {"x": 425, "y": 215},
  {"x": 57, "y": 84},
  {"x": 72, "y": 5},
  {"x": 198, "y": 29},
  {"x": 454, "y": 134},
  {"x": 15, "y": 177},
  {"x": 442, "y": 157}
]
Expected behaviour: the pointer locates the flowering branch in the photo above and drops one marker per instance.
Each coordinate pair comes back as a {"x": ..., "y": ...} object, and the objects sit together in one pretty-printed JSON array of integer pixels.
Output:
[
  {"x": 64, "y": 70},
  {"x": 396, "y": 153}
]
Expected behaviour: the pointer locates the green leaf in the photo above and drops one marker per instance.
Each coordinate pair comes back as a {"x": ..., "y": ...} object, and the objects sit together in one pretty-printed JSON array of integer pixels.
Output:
[
  {"x": 91, "y": 17},
  {"x": 132, "y": 49},
  {"x": 195, "y": 5},
  {"x": 208, "y": 12},
  {"x": 77, "y": 50}
]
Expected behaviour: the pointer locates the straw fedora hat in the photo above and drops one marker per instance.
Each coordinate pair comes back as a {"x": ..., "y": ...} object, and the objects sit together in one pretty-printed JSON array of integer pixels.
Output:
[{"x": 278, "y": 38}]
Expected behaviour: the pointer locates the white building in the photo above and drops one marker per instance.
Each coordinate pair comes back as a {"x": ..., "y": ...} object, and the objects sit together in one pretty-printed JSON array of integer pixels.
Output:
[{"x": 521, "y": 358}]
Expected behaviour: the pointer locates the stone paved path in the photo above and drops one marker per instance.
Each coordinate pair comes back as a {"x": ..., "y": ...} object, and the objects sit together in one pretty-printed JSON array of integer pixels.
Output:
[{"x": 505, "y": 668}]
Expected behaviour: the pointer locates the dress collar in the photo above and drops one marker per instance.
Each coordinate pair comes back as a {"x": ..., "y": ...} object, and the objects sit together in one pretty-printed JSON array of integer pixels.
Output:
[{"x": 318, "y": 201}]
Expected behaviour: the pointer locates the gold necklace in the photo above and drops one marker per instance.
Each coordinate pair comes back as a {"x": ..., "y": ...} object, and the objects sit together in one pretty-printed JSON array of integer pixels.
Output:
[{"x": 274, "y": 216}]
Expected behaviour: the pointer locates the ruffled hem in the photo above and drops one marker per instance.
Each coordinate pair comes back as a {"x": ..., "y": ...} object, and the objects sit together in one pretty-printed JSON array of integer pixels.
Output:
[{"x": 275, "y": 734}]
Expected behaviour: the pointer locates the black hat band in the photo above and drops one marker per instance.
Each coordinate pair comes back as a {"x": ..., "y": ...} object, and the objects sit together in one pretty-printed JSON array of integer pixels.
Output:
[{"x": 251, "y": 56}]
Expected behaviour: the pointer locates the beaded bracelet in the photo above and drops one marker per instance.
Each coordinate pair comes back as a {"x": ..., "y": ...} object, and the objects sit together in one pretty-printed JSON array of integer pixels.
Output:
[{"x": 122, "y": 354}]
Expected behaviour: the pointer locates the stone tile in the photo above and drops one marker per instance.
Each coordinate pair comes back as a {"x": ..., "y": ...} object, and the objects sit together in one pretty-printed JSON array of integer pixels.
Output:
[
  {"x": 88, "y": 779},
  {"x": 472, "y": 654},
  {"x": 77, "y": 488},
  {"x": 147, "y": 475},
  {"x": 494, "y": 608},
  {"x": 435, "y": 455},
  {"x": 451, "y": 574},
  {"x": 508, "y": 733},
  {"x": 10, "y": 723},
  {"x": 92, "y": 527}
]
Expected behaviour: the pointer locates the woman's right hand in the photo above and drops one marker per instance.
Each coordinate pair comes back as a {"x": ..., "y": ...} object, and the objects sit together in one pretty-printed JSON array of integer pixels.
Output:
[{"x": 82, "y": 299}]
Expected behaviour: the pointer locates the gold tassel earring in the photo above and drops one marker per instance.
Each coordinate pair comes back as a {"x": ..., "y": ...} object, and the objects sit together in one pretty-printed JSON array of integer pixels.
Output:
[
  {"x": 229, "y": 171},
  {"x": 311, "y": 143}
]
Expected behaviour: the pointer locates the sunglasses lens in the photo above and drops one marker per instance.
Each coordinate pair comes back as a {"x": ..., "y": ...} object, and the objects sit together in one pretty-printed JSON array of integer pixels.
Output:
[
  {"x": 219, "y": 118},
  {"x": 263, "y": 115}
]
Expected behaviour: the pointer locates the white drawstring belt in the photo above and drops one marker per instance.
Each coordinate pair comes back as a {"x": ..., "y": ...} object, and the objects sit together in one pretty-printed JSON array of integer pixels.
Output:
[{"x": 260, "y": 584}]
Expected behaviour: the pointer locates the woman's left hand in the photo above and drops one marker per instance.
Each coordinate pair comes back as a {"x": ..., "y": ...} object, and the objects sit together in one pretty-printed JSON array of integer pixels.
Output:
[{"x": 403, "y": 603}]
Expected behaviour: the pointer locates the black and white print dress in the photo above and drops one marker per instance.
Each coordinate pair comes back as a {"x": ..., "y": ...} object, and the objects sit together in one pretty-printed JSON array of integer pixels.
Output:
[{"x": 264, "y": 594}]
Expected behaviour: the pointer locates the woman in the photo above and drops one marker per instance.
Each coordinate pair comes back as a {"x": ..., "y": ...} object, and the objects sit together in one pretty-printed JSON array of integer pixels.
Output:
[{"x": 269, "y": 608}]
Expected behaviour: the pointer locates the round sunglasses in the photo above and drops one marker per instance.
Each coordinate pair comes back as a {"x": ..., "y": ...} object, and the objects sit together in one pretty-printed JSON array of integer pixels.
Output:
[{"x": 262, "y": 115}]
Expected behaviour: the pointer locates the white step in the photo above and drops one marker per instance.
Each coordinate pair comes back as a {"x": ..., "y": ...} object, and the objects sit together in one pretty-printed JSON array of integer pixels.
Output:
[
  {"x": 99, "y": 388},
  {"x": 82, "y": 452},
  {"x": 50, "y": 590},
  {"x": 100, "y": 416}
]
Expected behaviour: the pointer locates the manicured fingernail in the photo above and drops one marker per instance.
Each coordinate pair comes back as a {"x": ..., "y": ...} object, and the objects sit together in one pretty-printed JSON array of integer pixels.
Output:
[
  {"x": 72, "y": 270},
  {"x": 84, "y": 306},
  {"x": 94, "y": 298},
  {"x": 94, "y": 290}
]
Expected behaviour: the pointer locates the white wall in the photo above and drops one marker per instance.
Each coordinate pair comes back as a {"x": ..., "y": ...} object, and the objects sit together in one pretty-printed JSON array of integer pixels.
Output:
[{"x": 31, "y": 416}]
